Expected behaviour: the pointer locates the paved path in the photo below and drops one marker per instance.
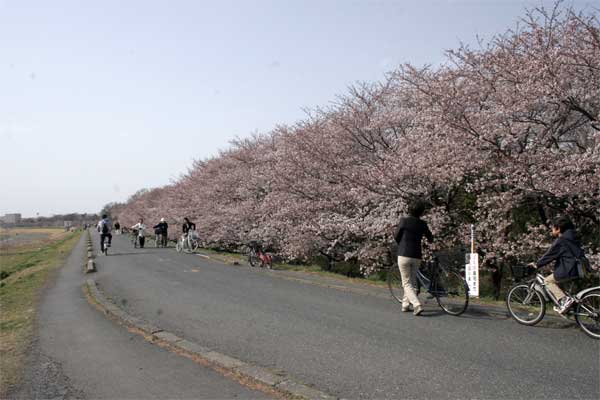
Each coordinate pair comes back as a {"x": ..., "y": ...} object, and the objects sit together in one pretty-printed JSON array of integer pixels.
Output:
[
  {"x": 345, "y": 343},
  {"x": 81, "y": 354}
]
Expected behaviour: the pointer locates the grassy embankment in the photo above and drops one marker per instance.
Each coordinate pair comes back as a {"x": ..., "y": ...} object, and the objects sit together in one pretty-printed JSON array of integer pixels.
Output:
[{"x": 27, "y": 256}]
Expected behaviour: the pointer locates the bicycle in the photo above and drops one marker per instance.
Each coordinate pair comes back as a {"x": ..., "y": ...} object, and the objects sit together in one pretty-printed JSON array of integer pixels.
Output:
[
  {"x": 447, "y": 286},
  {"x": 526, "y": 302},
  {"x": 256, "y": 255},
  {"x": 188, "y": 243},
  {"x": 104, "y": 244},
  {"x": 134, "y": 238}
]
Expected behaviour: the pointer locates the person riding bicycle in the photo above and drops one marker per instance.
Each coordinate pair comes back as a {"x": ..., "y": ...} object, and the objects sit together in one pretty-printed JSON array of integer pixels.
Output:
[
  {"x": 564, "y": 251},
  {"x": 105, "y": 227},
  {"x": 409, "y": 235}
]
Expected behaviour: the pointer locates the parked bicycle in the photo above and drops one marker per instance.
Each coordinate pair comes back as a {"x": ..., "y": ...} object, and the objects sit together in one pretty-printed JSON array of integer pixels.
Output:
[
  {"x": 188, "y": 243},
  {"x": 256, "y": 257},
  {"x": 446, "y": 285},
  {"x": 526, "y": 302}
]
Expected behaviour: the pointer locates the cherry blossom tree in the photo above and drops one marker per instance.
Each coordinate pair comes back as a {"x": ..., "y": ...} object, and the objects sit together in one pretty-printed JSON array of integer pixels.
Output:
[{"x": 504, "y": 136}]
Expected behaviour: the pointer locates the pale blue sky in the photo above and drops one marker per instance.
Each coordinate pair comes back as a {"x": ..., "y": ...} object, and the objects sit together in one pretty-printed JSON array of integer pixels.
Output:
[{"x": 101, "y": 98}]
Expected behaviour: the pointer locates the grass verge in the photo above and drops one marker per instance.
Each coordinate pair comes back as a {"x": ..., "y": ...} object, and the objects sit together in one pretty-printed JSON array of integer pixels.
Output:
[{"x": 24, "y": 268}]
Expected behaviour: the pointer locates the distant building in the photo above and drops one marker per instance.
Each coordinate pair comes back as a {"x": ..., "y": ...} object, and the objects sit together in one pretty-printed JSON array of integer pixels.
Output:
[{"x": 11, "y": 219}]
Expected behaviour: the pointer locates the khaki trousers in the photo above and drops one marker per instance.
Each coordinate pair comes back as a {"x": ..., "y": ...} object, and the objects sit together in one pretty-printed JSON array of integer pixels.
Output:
[
  {"x": 553, "y": 287},
  {"x": 408, "y": 271}
]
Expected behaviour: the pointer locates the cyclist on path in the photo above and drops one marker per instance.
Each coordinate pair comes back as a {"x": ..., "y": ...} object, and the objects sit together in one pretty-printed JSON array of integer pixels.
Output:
[
  {"x": 409, "y": 235},
  {"x": 105, "y": 228},
  {"x": 564, "y": 251}
]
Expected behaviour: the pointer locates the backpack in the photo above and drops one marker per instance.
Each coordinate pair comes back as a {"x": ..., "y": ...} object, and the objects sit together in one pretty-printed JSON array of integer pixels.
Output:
[
  {"x": 104, "y": 227},
  {"x": 582, "y": 264},
  {"x": 585, "y": 266}
]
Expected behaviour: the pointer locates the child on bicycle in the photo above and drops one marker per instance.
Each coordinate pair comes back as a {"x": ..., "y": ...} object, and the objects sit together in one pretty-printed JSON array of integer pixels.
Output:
[{"x": 564, "y": 251}]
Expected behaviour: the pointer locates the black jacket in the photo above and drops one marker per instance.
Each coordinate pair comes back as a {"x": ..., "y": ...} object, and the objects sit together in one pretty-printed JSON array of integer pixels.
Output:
[
  {"x": 188, "y": 227},
  {"x": 563, "y": 251},
  {"x": 161, "y": 227},
  {"x": 409, "y": 234}
]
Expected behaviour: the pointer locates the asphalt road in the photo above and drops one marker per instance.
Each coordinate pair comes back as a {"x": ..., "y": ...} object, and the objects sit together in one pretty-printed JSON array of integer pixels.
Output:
[
  {"x": 80, "y": 354},
  {"x": 347, "y": 344}
]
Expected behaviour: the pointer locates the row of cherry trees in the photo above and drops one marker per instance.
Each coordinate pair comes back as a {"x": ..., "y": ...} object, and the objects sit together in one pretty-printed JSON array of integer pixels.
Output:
[{"x": 504, "y": 136}]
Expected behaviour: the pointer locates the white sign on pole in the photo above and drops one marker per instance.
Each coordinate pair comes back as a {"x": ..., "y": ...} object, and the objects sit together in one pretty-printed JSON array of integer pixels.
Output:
[
  {"x": 472, "y": 274},
  {"x": 472, "y": 268}
]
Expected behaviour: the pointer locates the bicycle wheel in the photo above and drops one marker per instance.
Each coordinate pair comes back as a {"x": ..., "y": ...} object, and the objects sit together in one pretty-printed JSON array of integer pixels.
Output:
[
  {"x": 179, "y": 246},
  {"x": 451, "y": 292},
  {"x": 253, "y": 259},
  {"x": 194, "y": 245},
  {"x": 526, "y": 306},
  {"x": 394, "y": 281},
  {"x": 587, "y": 314}
]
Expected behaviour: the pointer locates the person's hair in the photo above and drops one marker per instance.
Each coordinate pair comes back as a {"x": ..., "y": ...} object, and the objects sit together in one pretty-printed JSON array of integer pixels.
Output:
[
  {"x": 416, "y": 208},
  {"x": 141, "y": 219},
  {"x": 104, "y": 216},
  {"x": 563, "y": 224},
  {"x": 186, "y": 219}
]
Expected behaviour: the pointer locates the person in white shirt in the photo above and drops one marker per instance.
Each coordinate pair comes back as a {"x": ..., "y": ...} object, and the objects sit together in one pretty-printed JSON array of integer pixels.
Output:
[{"x": 141, "y": 228}]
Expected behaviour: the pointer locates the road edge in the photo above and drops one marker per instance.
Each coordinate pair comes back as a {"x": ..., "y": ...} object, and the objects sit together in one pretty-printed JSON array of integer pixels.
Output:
[{"x": 281, "y": 383}]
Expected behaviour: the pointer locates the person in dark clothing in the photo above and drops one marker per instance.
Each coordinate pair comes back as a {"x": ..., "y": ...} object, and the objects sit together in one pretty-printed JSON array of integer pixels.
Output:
[
  {"x": 564, "y": 251},
  {"x": 496, "y": 272},
  {"x": 105, "y": 228},
  {"x": 409, "y": 235},
  {"x": 161, "y": 230},
  {"x": 187, "y": 226}
]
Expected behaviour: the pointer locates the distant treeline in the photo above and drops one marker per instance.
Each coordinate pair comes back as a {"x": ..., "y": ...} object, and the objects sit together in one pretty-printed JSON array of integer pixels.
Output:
[{"x": 76, "y": 219}]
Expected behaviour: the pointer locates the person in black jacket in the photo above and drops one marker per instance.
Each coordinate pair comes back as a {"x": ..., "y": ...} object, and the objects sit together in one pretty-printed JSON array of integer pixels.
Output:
[
  {"x": 161, "y": 231},
  {"x": 564, "y": 251},
  {"x": 409, "y": 235}
]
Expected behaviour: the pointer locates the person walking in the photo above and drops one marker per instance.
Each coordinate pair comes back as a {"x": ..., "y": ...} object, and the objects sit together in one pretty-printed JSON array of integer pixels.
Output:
[
  {"x": 141, "y": 230},
  {"x": 409, "y": 235},
  {"x": 161, "y": 231}
]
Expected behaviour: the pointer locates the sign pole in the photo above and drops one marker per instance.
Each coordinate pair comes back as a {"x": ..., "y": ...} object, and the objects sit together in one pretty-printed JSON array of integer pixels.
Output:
[{"x": 472, "y": 268}]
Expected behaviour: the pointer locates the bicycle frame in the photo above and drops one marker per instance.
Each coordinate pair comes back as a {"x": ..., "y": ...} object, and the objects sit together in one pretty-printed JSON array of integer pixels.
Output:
[
  {"x": 425, "y": 281},
  {"x": 539, "y": 285},
  {"x": 257, "y": 254}
]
